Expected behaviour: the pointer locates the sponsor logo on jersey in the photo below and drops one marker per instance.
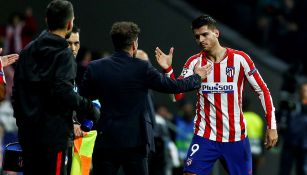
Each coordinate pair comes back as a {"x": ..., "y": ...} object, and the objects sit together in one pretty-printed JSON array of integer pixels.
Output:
[
  {"x": 230, "y": 71},
  {"x": 251, "y": 72},
  {"x": 226, "y": 87}
]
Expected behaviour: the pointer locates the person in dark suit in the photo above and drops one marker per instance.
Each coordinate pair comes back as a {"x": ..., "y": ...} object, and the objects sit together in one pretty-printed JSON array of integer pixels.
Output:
[{"x": 121, "y": 84}]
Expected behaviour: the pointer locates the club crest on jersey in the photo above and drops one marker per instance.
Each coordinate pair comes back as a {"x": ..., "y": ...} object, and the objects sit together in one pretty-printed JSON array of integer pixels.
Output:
[{"x": 230, "y": 71}]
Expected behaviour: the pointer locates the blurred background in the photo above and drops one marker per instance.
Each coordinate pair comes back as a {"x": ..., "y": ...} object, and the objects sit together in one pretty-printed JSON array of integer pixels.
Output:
[{"x": 272, "y": 32}]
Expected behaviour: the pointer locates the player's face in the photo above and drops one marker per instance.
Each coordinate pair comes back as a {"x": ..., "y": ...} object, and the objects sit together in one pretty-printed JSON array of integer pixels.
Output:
[
  {"x": 74, "y": 43},
  {"x": 206, "y": 38}
]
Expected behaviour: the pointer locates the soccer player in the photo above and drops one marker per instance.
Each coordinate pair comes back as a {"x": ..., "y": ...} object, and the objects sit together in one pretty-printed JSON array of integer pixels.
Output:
[{"x": 220, "y": 128}]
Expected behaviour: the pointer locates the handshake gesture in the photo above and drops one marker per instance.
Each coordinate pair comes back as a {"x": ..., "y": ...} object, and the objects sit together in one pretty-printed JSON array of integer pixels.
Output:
[{"x": 165, "y": 61}]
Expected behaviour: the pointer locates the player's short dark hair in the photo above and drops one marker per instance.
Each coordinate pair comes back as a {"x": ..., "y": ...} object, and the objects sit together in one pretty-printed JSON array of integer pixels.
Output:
[
  {"x": 58, "y": 13},
  {"x": 123, "y": 34},
  {"x": 75, "y": 29},
  {"x": 204, "y": 20}
]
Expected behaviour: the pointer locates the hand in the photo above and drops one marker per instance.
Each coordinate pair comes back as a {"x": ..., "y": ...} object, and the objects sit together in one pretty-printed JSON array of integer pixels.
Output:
[
  {"x": 165, "y": 61},
  {"x": 271, "y": 138},
  {"x": 8, "y": 59},
  {"x": 77, "y": 131},
  {"x": 204, "y": 71}
]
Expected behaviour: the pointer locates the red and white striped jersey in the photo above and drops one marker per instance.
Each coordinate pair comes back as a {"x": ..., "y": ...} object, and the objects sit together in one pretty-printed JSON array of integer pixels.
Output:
[{"x": 219, "y": 115}]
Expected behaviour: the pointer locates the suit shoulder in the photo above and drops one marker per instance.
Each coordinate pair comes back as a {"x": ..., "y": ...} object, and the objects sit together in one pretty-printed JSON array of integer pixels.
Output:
[{"x": 140, "y": 61}]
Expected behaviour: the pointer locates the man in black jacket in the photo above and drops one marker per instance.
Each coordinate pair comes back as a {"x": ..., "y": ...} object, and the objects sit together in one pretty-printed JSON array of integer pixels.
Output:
[
  {"x": 121, "y": 84},
  {"x": 43, "y": 96}
]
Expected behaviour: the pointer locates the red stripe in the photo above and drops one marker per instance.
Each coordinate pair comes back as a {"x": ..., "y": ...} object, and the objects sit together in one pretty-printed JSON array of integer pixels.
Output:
[
  {"x": 198, "y": 115},
  {"x": 247, "y": 59},
  {"x": 267, "y": 99},
  {"x": 59, "y": 163},
  {"x": 265, "y": 90},
  {"x": 240, "y": 84},
  {"x": 168, "y": 69},
  {"x": 206, "y": 105},
  {"x": 207, "y": 117},
  {"x": 186, "y": 65},
  {"x": 188, "y": 62},
  {"x": 217, "y": 104},
  {"x": 230, "y": 100},
  {"x": 172, "y": 76}
]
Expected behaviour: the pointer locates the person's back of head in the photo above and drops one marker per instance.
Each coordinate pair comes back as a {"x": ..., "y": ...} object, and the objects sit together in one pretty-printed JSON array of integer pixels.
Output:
[
  {"x": 123, "y": 34},
  {"x": 75, "y": 29},
  {"x": 58, "y": 14},
  {"x": 204, "y": 20}
]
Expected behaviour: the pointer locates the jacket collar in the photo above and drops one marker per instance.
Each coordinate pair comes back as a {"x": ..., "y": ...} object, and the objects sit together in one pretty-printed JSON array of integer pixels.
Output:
[{"x": 122, "y": 54}]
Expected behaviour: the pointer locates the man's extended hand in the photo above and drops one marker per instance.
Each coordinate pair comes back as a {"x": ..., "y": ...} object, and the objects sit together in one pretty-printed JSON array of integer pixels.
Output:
[
  {"x": 202, "y": 71},
  {"x": 165, "y": 61},
  {"x": 271, "y": 138},
  {"x": 8, "y": 59}
]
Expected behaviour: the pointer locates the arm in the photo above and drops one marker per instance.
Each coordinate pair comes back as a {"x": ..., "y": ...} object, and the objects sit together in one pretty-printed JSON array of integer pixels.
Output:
[
  {"x": 186, "y": 72},
  {"x": 259, "y": 86},
  {"x": 162, "y": 83},
  {"x": 159, "y": 82},
  {"x": 165, "y": 61},
  {"x": 64, "y": 77}
]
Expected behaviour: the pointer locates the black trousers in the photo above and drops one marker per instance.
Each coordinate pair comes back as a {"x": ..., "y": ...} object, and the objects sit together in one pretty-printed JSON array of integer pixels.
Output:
[
  {"x": 292, "y": 155},
  {"x": 133, "y": 161},
  {"x": 38, "y": 161}
]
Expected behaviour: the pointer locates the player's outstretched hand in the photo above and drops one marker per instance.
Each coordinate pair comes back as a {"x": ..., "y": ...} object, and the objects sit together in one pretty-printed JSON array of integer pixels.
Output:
[
  {"x": 165, "y": 61},
  {"x": 202, "y": 71},
  {"x": 8, "y": 59},
  {"x": 271, "y": 138}
]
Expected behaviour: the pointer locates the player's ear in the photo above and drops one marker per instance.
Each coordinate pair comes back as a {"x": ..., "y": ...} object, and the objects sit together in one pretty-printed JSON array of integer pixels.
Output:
[
  {"x": 70, "y": 25},
  {"x": 216, "y": 32}
]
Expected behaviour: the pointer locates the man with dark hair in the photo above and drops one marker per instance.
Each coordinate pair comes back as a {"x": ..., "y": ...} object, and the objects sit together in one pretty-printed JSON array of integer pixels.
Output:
[
  {"x": 294, "y": 133},
  {"x": 220, "y": 128},
  {"x": 74, "y": 40},
  {"x": 121, "y": 84},
  {"x": 43, "y": 96}
]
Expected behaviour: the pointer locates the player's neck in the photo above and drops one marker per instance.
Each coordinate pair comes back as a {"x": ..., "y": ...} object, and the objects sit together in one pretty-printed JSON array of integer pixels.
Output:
[{"x": 217, "y": 54}]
